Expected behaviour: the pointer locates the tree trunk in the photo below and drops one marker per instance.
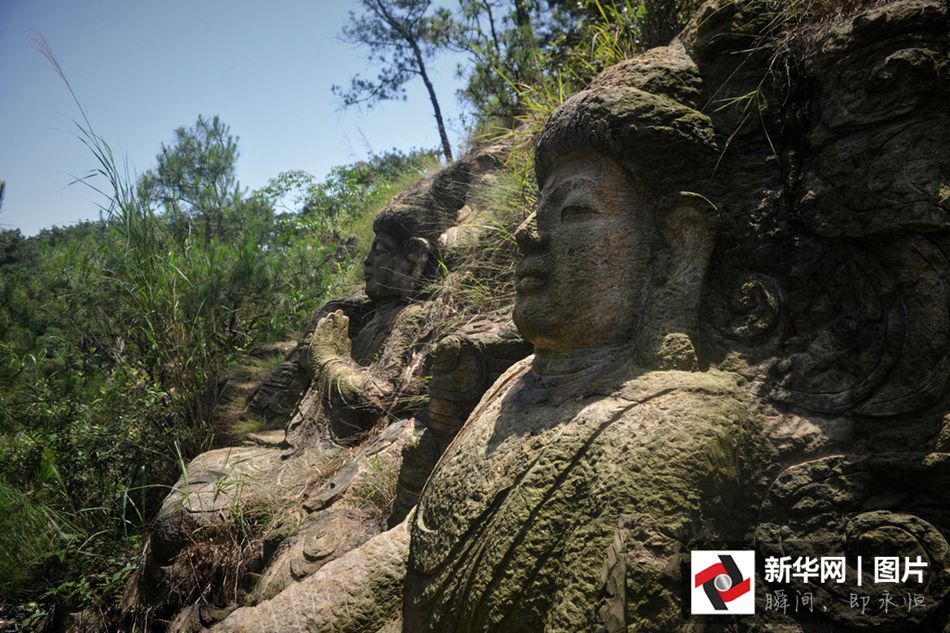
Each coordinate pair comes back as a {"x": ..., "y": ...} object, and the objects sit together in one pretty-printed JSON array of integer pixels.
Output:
[
  {"x": 446, "y": 148},
  {"x": 410, "y": 36},
  {"x": 494, "y": 33}
]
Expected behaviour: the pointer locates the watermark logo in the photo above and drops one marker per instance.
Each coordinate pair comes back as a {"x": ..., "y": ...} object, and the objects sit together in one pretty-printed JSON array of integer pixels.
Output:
[{"x": 723, "y": 582}]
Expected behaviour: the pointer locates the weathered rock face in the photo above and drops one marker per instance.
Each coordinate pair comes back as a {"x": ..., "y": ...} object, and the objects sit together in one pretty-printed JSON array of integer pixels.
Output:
[
  {"x": 833, "y": 290},
  {"x": 741, "y": 319},
  {"x": 277, "y": 397}
]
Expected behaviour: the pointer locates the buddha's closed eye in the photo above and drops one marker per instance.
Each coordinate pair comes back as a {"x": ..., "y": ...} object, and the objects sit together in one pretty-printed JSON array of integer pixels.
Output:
[{"x": 577, "y": 211}]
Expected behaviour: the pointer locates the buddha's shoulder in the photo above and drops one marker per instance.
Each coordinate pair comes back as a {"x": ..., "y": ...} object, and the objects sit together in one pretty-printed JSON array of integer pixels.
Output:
[
  {"x": 700, "y": 404},
  {"x": 704, "y": 385},
  {"x": 640, "y": 386}
]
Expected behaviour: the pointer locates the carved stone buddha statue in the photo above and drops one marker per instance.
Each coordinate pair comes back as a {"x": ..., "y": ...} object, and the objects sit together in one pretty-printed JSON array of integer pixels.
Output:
[
  {"x": 738, "y": 288},
  {"x": 608, "y": 438}
]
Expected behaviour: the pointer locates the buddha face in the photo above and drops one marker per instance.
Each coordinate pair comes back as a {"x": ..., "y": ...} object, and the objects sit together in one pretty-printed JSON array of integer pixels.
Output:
[
  {"x": 585, "y": 270},
  {"x": 386, "y": 269}
]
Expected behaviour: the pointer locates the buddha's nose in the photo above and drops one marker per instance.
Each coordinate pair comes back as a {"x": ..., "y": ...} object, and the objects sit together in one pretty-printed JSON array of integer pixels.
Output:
[{"x": 527, "y": 236}]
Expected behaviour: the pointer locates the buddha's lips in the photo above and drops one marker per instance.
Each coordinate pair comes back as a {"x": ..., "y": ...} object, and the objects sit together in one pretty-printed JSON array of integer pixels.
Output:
[
  {"x": 530, "y": 274},
  {"x": 529, "y": 284}
]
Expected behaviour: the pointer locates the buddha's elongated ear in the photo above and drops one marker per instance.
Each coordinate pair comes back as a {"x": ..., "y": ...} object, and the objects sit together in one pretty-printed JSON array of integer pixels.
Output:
[
  {"x": 686, "y": 223},
  {"x": 420, "y": 253}
]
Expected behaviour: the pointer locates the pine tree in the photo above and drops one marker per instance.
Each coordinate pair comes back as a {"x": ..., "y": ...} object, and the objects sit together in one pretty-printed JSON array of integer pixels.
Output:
[{"x": 396, "y": 32}]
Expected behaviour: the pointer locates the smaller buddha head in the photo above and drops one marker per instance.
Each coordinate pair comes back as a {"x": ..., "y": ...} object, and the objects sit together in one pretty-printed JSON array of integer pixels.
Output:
[
  {"x": 403, "y": 253},
  {"x": 396, "y": 265}
]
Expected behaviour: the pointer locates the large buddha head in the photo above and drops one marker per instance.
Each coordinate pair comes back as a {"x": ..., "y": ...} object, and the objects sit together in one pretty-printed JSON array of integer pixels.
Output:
[{"x": 616, "y": 252}]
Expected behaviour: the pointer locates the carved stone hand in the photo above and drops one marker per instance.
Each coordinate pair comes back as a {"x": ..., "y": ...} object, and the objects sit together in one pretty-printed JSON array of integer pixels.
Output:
[{"x": 330, "y": 340}]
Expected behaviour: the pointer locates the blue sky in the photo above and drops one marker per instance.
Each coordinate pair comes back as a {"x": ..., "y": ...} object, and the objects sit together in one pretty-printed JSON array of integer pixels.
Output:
[{"x": 143, "y": 69}]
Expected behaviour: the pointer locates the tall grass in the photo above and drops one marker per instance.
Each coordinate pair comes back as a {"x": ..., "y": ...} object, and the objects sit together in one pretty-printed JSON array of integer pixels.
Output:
[
  {"x": 26, "y": 534},
  {"x": 172, "y": 295}
]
